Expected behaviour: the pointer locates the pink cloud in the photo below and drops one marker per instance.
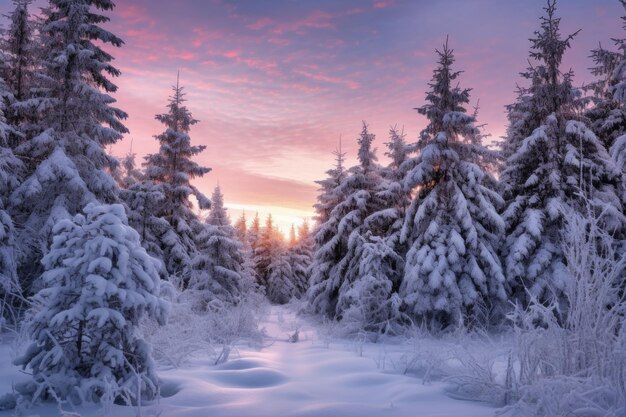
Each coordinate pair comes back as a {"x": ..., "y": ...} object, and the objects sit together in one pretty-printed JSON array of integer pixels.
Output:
[{"x": 383, "y": 4}]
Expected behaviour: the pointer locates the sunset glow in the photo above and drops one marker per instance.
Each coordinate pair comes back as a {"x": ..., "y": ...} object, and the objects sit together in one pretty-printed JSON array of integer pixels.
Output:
[{"x": 275, "y": 84}]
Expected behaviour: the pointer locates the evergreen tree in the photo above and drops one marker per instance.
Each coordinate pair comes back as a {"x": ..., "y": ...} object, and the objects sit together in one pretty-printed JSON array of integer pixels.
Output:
[
  {"x": 300, "y": 259},
  {"x": 266, "y": 251},
  {"x": 548, "y": 171},
  {"x": 19, "y": 50},
  {"x": 388, "y": 221},
  {"x": 327, "y": 198},
  {"x": 254, "y": 233},
  {"x": 280, "y": 285},
  {"x": 126, "y": 174},
  {"x": 98, "y": 284},
  {"x": 241, "y": 229},
  {"x": 293, "y": 241},
  {"x": 218, "y": 267},
  {"x": 331, "y": 272},
  {"x": 66, "y": 163},
  {"x": 22, "y": 57},
  {"x": 10, "y": 172},
  {"x": 452, "y": 227},
  {"x": 143, "y": 200},
  {"x": 371, "y": 303},
  {"x": 173, "y": 169}
]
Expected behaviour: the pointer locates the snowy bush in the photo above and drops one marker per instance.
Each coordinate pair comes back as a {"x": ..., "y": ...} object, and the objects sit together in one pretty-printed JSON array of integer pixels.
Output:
[
  {"x": 576, "y": 364},
  {"x": 195, "y": 327},
  {"x": 98, "y": 284}
]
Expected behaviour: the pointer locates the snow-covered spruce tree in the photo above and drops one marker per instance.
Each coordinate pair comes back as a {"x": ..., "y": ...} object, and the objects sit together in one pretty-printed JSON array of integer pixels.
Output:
[
  {"x": 241, "y": 229},
  {"x": 607, "y": 115},
  {"x": 21, "y": 55},
  {"x": 267, "y": 249},
  {"x": 143, "y": 200},
  {"x": 217, "y": 270},
  {"x": 10, "y": 173},
  {"x": 300, "y": 259},
  {"x": 280, "y": 285},
  {"x": 548, "y": 171},
  {"x": 66, "y": 162},
  {"x": 293, "y": 240},
  {"x": 19, "y": 50},
  {"x": 328, "y": 197},
  {"x": 253, "y": 233},
  {"x": 126, "y": 174},
  {"x": 327, "y": 253},
  {"x": 371, "y": 303},
  {"x": 173, "y": 169},
  {"x": 452, "y": 227},
  {"x": 395, "y": 199},
  {"x": 97, "y": 285},
  {"x": 331, "y": 269}
]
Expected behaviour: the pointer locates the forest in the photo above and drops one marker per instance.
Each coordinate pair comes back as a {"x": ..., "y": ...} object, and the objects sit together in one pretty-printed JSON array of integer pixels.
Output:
[{"x": 115, "y": 271}]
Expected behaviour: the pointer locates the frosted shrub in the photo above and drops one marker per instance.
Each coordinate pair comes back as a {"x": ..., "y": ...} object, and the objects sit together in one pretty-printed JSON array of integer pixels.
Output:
[
  {"x": 196, "y": 327},
  {"x": 574, "y": 363}
]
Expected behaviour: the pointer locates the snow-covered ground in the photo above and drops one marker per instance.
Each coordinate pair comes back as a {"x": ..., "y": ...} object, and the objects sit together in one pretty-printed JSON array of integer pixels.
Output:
[{"x": 316, "y": 376}]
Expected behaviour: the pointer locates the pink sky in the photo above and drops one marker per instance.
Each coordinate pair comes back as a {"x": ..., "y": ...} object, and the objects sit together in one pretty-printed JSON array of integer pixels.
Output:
[{"x": 274, "y": 83}]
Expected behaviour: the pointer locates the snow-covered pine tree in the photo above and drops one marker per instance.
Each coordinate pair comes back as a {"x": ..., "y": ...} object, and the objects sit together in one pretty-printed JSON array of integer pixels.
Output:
[
  {"x": 173, "y": 169},
  {"x": 267, "y": 249},
  {"x": 331, "y": 270},
  {"x": 241, "y": 229},
  {"x": 395, "y": 199},
  {"x": 452, "y": 227},
  {"x": 328, "y": 197},
  {"x": 217, "y": 270},
  {"x": 10, "y": 173},
  {"x": 607, "y": 115},
  {"x": 300, "y": 259},
  {"x": 97, "y": 285},
  {"x": 66, "y": 162},
  {"x": 254, "y": 233},
  {"x": 21, "y": 64},
  {"x": 143, "y": 200},
  {"x": 371, "y": 303},
  {"x": 126, "y": 173},
  {"x": 280, "y": 285},
  {"x": 293, "y": 240},
  {"x": 19, "y": 50},
  {"x": 548, "y": 171}
]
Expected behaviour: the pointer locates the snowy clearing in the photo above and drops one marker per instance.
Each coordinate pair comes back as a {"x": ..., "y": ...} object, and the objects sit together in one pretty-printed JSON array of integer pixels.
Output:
[{"x": 313, "y": 377}]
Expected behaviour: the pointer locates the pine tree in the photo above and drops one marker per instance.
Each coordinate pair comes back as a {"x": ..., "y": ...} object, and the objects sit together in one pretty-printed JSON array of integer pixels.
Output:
[
  {"x": 266, "y": 251},
  {"x": 254, "y": 233},
  {"x": 331, "y": 271},
  {"x": 293, "y": 241},
  {"x": 19, "y": 50},
  {"x": 300, "y": 259},
  {"x": 126, "y": 174},
  {"x": 452, "y": 227},
  {"x": 549, "y": 170},
  {"x": 327, "y": 198},
  {"x": 280, "y": 285},
  {"x": 98, "y": 284},
  {"x": 10, "y": 173},
  {"x": 218, "y": 267},
  {"x": 21, "y": 54},
  {"x": 66, "y": 163},
  {"x": 241, "y": 229},
  {"x": 395, "y": 200},
  {"x": 173, "y": 169},
  {"x": 143, "y": 200},
  {"x": 371, "y": 303}
]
